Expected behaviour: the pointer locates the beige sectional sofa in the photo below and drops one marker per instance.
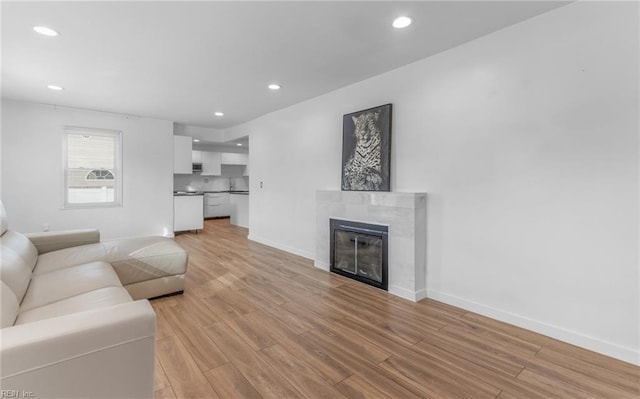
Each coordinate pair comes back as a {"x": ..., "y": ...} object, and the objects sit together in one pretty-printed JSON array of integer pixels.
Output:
[{"x": 74, "y": 321}]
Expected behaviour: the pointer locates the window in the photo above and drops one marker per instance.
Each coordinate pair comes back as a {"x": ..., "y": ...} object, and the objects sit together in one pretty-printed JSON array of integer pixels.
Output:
[
  {"x": 99, "y": 174},
  {"x": 92, "y": 167}
]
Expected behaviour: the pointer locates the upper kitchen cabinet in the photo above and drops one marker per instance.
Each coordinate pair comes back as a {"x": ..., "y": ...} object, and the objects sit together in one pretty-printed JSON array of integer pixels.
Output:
[
  {"x": 211, "y": 163},
  {"x": 182, "y": 163},
  {"x": 196, "y": 156},
  {"x": 230, "y": 158}
]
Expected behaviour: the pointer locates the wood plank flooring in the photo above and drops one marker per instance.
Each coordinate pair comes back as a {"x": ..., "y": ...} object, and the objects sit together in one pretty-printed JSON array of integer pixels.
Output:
[{"x": 256, "y": 322}]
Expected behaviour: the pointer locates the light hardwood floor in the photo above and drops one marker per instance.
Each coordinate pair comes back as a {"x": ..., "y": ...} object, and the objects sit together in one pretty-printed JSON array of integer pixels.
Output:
[{"x": 256, "y": 322}]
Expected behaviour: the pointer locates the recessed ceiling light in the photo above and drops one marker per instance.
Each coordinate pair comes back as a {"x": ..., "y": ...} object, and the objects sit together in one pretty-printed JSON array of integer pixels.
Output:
[
  {"x": 219, "y": 113},
  {"x": 196, "y": 140},
  {"x": 43, "y": 30},
  {"x": 239, "y": 144},
  {"x": 274, "y": 86},
  {"x": 402, "y": 22},
  {"x": 54, "y": 87}
]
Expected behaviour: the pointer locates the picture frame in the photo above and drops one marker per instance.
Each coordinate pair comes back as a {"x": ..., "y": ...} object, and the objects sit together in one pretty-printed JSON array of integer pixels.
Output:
[{"x": 366, "y": 149}]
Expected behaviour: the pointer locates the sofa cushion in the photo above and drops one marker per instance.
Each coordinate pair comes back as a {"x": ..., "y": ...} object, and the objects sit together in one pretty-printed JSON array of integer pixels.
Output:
[
  {"x": 22, "y": 246},
  {"x": 18, "y": 256},
  {"x": 9, "y": 304},
  {"x": 4, "y": 222},
  {"x": 87, "y": 301},
  {"x": 65, "y": 283},
  {"x": 134, "y": 259},
  {"x": 15, "y": 272},
  {"x": 61, "y": 259},
  {"x": 145, "y": 258},
  {"x": 48, "y": 241}
]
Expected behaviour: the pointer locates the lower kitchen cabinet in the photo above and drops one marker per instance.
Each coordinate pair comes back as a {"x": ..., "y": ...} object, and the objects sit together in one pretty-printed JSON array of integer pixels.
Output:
[
  {"x": 240, "y": 210},
  {"x": 187, "y": 212},
  {"x": 216, "y": 205}
]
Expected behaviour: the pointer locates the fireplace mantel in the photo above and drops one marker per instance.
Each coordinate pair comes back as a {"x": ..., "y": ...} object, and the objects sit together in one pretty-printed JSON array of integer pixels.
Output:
[{"x": 404, "y": 213}]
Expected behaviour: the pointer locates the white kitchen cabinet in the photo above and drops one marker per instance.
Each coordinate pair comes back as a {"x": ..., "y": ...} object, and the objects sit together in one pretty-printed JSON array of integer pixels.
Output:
[
  {"x": 182, "y": 155},
  {"x": 231, "y": 158},
  {"x": 211, "y": 163},
  {"x": 240, "y": 210},
  {"x": 196, "y": 156},
  {"x": 187, "y": 212},
  {"x": 216, "y": 205}
]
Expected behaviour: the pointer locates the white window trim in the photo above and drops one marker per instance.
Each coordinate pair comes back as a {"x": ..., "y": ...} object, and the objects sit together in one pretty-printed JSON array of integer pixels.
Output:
[{"x": 117, "y": 170}]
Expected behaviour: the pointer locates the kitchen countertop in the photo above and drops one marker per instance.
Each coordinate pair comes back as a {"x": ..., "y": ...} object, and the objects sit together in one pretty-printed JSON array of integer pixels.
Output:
[{"x": 187, "y": 193}]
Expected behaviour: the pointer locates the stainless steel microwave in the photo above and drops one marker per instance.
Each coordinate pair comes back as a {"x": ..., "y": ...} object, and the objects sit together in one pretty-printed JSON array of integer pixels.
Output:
[{"x": 197, "y": 167}]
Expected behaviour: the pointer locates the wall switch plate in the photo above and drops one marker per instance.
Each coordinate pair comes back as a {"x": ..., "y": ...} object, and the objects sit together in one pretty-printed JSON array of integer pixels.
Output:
[{"x": 45, "y": 227}]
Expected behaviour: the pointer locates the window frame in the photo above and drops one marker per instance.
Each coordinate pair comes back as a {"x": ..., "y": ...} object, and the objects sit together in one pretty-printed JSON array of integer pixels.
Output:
[{"x": 117, "y": 169}]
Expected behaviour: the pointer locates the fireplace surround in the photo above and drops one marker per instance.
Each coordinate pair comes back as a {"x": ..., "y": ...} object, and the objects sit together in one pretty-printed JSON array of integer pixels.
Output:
[{"x": 405, "y": 215}]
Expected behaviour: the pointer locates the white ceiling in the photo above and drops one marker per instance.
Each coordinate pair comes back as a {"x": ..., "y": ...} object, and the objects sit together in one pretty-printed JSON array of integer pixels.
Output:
[{"x": 181, "y": 61}]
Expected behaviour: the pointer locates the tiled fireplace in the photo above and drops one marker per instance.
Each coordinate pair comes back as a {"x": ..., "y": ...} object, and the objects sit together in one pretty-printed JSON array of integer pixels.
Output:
[{"x": 403, "y": 215}]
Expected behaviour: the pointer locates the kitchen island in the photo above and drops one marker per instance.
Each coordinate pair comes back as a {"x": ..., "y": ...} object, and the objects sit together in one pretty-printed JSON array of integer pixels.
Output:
[{"x": 188, "y": 211}]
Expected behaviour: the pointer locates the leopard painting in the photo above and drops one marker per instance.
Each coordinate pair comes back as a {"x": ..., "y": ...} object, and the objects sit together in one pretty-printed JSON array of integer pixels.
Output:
[{"x": 362, "y": 171}]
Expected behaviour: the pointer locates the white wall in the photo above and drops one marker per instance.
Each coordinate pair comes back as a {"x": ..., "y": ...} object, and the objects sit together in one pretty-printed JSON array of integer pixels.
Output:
[
  {"x": 220, "y": 148},
  {"x": 198, "y": 132},
  {"x": 32, "y": 171},
  {"x": 526, "y": 141}
]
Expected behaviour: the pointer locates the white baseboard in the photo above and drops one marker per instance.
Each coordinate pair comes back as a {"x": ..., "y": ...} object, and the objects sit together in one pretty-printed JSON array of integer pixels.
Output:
[
  {"x": 421, "y": 294},
  {"x": 282, "y": 247},
  {"x": 322, "y": 265},
  {"x": 413, "y": 296},
  {"x": 597, "y": 345}
]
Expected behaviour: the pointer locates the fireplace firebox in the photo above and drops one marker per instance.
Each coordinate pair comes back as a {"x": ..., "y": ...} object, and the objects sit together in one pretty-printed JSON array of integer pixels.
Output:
[{"x": 360, "y": 251}]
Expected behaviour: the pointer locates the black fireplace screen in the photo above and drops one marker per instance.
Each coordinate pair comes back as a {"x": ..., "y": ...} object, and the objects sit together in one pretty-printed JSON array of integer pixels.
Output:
[{"x": 359, "y": 251}]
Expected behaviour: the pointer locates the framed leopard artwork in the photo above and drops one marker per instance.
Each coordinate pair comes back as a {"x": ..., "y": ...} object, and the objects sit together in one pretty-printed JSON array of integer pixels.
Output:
[{"x": 366, "y": 149}]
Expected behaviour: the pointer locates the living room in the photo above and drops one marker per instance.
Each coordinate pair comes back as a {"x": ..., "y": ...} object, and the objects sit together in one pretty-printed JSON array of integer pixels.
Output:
[{"x": 524, "y": 139}]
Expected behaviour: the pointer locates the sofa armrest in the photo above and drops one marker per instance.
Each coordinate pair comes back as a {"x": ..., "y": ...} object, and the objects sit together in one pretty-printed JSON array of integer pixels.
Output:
[
  {"x": 54, "y": 240},
  {"x": 106, "y": 352}
]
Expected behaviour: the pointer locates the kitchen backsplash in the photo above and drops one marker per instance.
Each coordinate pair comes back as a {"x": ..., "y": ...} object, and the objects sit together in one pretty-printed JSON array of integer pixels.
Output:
[{"x": 231, "y": 179}]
